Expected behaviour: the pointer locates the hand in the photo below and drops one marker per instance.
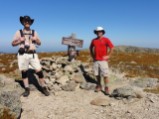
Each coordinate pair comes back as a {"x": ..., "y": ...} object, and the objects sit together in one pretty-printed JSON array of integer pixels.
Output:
[
  {"x": 106, "y": 57},
  {"x": 21, "y": 39},
  {"x": 34, "y": 39}
]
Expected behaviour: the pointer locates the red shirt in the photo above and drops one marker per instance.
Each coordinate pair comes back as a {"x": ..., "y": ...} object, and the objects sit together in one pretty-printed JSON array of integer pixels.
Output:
[{"x": 100, "y": 47}]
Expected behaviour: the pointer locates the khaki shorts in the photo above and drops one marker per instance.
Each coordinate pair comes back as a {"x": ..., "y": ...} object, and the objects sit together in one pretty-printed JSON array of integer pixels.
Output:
[
  {"x": 27, "y": 60},
  {"x": 101, "y": 68}
]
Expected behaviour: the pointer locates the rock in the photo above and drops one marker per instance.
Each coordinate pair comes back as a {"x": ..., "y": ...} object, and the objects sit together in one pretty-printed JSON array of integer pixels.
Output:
[
  {"x": 52, "y": 79},
  {"x": 59, "y": 66},
  {"x": 10, "y": 94},
  {"x": 88, "y": 86},
  {"x": 46, "y": 61},
  {"x": 78, "y": 78},
  {"x": 100, "y": 102},
  {"x": 124, "y": 92},
  {"x": 3, "y": 69},
  {"x": 58, "y": 74},
  {"x": 47, "y": 81},
  {"x": 11, "y": 100},
  {"x": 45, "y": 68},
  {"x": 54, "y": 66},
  {"x": 71, "y": 86},
  {"x": 145, "y": 82},
  {"x": 32, "y": 87},
  {"x": 68, "y": 68},
  {"x": 139, "y": 93},
  {"x": 56, "y": 87},
  {"x": 62, "y": 80},
  {"x": 2, "y": 82},
  {"x": 133, "y": 62}
]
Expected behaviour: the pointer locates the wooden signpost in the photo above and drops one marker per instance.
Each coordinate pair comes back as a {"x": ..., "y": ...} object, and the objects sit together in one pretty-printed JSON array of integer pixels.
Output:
[{"x": 72, "y": 41}]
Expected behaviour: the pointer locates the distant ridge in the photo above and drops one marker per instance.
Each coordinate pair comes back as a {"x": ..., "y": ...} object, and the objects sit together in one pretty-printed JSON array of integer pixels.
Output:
[{"x": 135, "y": 49}]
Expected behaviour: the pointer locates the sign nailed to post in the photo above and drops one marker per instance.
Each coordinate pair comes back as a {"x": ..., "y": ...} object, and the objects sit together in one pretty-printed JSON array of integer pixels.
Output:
[{"x": 72, "y": 41}]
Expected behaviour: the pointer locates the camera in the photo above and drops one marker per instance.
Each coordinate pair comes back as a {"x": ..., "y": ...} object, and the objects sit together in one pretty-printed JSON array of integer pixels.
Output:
[
  {"x": 27, "y": 47},
  {"x": 21, "y": 51}
]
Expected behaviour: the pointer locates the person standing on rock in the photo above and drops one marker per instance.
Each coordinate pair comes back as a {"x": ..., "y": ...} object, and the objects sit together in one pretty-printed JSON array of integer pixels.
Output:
[
  {"x": 101, "y": 49},
  {"x": 27, "y": 40}
]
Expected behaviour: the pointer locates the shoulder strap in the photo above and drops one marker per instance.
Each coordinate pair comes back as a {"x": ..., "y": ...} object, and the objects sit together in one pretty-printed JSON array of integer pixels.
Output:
[
  {"x": 33, "y": 33},
  {"x": 21, "y": 33}
]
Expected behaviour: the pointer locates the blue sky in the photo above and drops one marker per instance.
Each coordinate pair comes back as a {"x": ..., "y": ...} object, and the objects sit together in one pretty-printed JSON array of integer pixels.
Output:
[{"x": 127, "y": 22}]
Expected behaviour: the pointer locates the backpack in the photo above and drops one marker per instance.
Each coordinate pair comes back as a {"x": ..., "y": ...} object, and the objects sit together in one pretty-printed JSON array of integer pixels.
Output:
[{"x": 22, "y": 34}]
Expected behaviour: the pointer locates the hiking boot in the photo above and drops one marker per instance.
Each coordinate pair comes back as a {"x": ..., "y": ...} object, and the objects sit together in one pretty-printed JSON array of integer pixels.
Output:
[
  {"x": 98, "y": 88},
  {"x": 106, "y": 91},
  {"x": 45, "y": 91},
  {"x": 27, "y": 92}
]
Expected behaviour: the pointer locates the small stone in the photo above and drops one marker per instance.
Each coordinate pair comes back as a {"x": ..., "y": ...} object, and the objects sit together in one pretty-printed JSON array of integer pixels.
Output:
[
  {"x": 78, "y": 78},
  {"x": 128, "y": 111},
  {"x": 58, "y": 74},
  {"x": 3, "y": 69},
  {"x": 100, "y": 102},
  {"x": 62, "y": 80},
  {"x": 88, "y": 86},
  {"x": 56, "y": 87},
  {"x": 53, "y": 66},
  {"x": 68, "y": 68},
  {"x": 71, "y": 86},
  {"x": 111, "y": 104}
]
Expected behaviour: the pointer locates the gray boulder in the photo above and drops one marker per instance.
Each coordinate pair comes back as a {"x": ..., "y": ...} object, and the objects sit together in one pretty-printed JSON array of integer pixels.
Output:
[
  {"x": 124, "y": 92},
  {"x": 10, "y": 93},
  {"x": 70, "y": 86}
]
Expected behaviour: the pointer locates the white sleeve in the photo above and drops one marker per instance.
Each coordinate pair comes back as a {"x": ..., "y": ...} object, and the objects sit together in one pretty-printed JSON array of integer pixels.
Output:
[
  {"x": 16, "y": 36},
  {"x": 36, "y": 35}
]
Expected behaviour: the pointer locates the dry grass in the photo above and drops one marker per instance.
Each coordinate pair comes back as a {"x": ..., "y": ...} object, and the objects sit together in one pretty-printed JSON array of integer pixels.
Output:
[
  {"x": 7, "y": 115},
  {"x": 133, "y": 64},
  {"x": 136, "y": 64},
  {"x": 6, "y": 60},
  {"x": 154, "y": 90}
]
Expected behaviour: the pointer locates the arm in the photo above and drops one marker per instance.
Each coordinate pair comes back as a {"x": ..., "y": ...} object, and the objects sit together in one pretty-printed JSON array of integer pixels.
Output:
[
  {"x": 110, "y": 51},
  {"x": 38, "y": 42},
  {"x": 36, "y": 39},
  {"x": 17, "y": 39},
  {"x": 111, "y": 48},
  {"x": 15, "y": 42}
]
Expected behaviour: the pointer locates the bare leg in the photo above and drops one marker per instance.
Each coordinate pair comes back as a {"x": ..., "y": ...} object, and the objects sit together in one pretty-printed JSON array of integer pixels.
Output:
[
  {"x": 98, "y": 87},
  {"x": 26, "y": 82},
  {"x": 42, "y": 83},
  {"x": 106, "y": 81},
  {"x": 98, "y": 80}
]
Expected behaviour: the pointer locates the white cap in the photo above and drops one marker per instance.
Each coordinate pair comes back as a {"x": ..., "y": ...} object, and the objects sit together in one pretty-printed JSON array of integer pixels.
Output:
[{"x": 99, "y": 28}]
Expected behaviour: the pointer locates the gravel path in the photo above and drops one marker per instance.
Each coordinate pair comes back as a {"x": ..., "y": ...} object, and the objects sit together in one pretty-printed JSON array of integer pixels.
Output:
[{"x": 76, "y": 105}]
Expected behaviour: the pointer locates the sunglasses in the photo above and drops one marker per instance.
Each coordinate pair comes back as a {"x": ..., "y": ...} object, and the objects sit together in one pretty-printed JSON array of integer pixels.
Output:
[{"x": 27, "y": 21}]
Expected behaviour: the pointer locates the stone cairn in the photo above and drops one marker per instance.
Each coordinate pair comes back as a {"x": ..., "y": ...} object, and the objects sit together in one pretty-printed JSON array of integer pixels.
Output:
[{"x": 60, "y": 74}]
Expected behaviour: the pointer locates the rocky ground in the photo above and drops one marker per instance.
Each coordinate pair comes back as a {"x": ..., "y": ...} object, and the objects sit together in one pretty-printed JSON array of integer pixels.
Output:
[
  {"x": 72, "y": 85},
  {"x": 86, "y": 104}
]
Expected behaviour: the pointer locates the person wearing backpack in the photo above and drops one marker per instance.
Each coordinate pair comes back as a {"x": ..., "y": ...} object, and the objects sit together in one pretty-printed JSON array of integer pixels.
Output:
[
  {"x": 27, "y": 40},
  {"x": 101, "y": 48}
]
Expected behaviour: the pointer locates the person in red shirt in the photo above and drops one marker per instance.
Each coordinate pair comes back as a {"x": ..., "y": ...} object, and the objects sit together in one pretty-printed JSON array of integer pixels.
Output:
[{"x": 101, "y": 48}]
